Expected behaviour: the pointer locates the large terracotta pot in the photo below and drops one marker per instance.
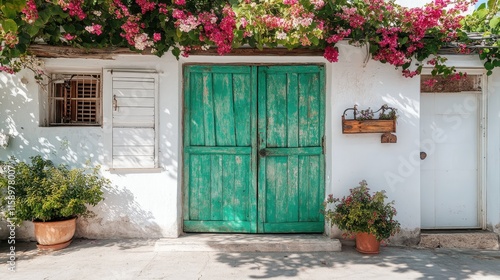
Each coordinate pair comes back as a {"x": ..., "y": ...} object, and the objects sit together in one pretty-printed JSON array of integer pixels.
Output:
[
  {"x": 367, "y": 243},
  {"x": 54, "y": 235}
]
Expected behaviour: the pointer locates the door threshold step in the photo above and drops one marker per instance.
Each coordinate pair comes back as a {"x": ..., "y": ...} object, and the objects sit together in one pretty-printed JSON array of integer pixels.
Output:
[
  {"x": 460, "y": 239},
  {"x": 208, "y": 242}
]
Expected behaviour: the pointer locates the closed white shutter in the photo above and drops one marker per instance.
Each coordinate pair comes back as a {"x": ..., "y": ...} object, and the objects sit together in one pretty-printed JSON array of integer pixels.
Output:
[{"x": 134, "y": 119}]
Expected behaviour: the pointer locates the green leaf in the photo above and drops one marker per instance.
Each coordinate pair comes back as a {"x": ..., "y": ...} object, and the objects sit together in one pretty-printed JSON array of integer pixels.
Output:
[
  {"x": 11, "y": 9},
  {"x": 494, "y": 22},
  {"x": 32, "y": 30},
  {"x": 403, "y": 41},
  {"x": 9, "y": 25},
  {"x": 176, "y": 52},
  {"x": 481, "y": 13},
  {"x": 492, "y": 4},
  {"x": 488, "y": 65},
  {"x": 69, "y": 28}
]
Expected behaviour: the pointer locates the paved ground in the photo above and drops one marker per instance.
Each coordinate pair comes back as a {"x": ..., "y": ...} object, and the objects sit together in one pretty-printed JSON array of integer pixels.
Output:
[{"x": 138, "y": 259}]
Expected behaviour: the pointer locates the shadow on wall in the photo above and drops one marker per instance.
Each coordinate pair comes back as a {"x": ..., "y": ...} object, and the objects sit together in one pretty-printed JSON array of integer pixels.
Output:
[
  {"x": 118, "y": 216},
  {"x": 14, "y": 101}
]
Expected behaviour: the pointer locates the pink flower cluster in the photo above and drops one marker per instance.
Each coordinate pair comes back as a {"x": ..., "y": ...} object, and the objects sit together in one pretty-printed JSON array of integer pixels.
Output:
[
  {"x": 341, "y": 34},
  {"x": 331, "y": 54},
  {"x": 69, "y": 37},
  {"x": 318, "y": 4},
  {"x": 74, "y": 7},
  {"x": 119, "y": 9},
  {"x": 162, "y": 8},
  {"x": 94, "y": 29},
  {"x": 351, "y": 15},
  {"x": 141, "y": 41},
  {"x": 131, "y": 28},
  {"x": 220, "y": 33},
  {"x": 146, "y": 5},
  {"x": 30, "y": 12},
  {"x": 10, "y": 38}
]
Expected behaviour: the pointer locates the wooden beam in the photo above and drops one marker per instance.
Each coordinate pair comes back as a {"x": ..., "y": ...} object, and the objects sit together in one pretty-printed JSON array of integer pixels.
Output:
[
  {"x": 263, "y": 52},
  {"x": 47, "y": 51}
]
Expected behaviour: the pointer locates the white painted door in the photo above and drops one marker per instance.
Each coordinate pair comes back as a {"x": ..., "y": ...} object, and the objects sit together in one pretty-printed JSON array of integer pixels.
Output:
[{"x": 449, "y": 174}]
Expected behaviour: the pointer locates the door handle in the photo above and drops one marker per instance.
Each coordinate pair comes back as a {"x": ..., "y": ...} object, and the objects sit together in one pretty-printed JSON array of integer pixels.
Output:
[
  {"x": 423, "y": 155},
  {"x": 263, "y": 153}
]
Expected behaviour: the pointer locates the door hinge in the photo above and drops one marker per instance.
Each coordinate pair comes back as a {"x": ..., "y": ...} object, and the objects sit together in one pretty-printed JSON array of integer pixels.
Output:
[{"x": 323, "y": 143}]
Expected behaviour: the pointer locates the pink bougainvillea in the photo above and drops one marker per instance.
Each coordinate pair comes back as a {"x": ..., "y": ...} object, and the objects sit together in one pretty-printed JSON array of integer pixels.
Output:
[
  {"x": 156, "y": 37},
  {"x": 75, "y": 8},
  {"x": 392, "y": 33},
  {"x": 146, "y": 5},
  {"x": 30, "y": 12},
  {"x": 94, "y": 29},
  {"x": 331, "y": 54},
  {"x": 69, "y": 37}
]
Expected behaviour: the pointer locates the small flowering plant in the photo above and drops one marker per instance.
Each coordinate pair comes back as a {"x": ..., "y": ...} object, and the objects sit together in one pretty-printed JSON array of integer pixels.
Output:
[{"x": 362, "y": 212}]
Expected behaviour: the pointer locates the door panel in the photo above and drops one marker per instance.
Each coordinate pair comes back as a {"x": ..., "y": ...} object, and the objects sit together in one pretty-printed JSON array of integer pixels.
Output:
[
  {"x": 449, "y": 174},
  {"x": 291, "y": 160},
  {"x": 219, "y": 129}
]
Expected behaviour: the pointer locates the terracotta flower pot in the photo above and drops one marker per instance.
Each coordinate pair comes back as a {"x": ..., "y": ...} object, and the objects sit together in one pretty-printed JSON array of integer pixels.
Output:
[
  {"x": 367, "y": 243},
  {"x": 54, "y": 235}
]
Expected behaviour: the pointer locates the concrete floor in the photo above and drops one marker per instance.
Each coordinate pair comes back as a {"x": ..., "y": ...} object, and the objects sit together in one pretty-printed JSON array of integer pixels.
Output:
[{"x": 142, "y": 259}]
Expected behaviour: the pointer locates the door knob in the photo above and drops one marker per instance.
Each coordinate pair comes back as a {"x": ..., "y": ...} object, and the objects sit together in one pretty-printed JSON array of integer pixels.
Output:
[
  {"x": 262, "y": 153},
  {"x": 423, "y": 155}
]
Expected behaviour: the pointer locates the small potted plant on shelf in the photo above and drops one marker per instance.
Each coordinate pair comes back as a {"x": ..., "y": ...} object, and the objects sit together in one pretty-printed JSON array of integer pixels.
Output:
[
  {"x": 368, "y": 217},
  {"x": 51, "y": 196}
]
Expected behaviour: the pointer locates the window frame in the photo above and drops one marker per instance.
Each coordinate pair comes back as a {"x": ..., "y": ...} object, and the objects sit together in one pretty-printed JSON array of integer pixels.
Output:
[{"x": 72, "y": 79}]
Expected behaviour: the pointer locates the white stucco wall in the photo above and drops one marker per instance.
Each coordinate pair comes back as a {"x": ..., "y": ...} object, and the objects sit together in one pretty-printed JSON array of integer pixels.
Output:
[{"x": 150, "y": 204}]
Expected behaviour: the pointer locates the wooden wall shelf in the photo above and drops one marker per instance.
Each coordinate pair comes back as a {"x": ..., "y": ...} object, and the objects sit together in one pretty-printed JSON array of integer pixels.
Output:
[{"x": 368, "y": 126}]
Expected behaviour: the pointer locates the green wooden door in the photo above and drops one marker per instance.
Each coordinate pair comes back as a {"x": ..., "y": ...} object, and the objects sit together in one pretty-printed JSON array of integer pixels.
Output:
[
  {"x": 219, "y": 158},
  {"x": 291, "y": 160},
  {"x": 250, "y": 168}
]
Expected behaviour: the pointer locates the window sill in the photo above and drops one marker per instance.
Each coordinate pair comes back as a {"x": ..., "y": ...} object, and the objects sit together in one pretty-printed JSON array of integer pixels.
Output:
[{"x": 134, "y": 170}]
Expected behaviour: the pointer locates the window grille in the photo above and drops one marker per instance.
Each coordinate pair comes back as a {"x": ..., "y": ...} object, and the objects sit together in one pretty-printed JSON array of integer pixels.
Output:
[{"x": 75, "y": 100}]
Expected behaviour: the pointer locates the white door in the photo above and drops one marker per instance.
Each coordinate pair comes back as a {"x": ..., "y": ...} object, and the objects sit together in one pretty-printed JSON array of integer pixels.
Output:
[{"x": 449, "y": 173}]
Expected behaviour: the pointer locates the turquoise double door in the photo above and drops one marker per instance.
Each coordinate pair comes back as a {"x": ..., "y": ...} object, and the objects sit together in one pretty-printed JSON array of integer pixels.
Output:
[{"x": 253, "y": 148}]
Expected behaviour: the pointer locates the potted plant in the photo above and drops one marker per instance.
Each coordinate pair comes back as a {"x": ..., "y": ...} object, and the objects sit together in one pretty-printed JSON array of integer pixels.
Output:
[
  {"x": 51, "y": 196},
  {"x": 366, "y": 216}
]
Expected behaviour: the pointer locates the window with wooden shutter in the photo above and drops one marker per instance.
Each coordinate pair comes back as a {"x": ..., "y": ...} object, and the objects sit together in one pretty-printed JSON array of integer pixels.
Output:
[{"x": 75, "y": 99}]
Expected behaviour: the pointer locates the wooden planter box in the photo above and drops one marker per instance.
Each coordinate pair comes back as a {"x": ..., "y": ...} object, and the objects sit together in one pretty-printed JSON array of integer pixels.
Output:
[{"x": 368, "y": 126}]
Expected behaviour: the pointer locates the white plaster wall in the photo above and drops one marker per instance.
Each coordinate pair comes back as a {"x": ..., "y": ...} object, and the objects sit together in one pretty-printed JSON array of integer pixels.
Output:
[{"x": 138, "y": 205}]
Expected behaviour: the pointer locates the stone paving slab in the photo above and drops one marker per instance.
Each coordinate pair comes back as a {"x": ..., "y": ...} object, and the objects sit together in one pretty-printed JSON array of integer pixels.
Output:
[
  {"x": 249, "y": 243},
  {"x": 138, "y": 259},
  {"x": 477, "y": 239}
]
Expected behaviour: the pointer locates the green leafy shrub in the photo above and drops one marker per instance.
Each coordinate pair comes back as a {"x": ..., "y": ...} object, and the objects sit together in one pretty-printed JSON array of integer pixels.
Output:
[
  {"x": 43, "y": 191},
  {"x": 362, "y": 212}
]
